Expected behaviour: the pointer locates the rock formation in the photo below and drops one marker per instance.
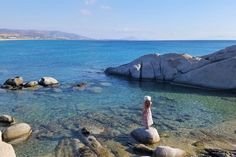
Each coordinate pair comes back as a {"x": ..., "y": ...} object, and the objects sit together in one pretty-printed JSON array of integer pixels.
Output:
[
  {"x": 160, "y": 151},
  {"x": 48, "y": 81},
  {"x": 216, "y": 70},
  {"x": 17, "y": 133},
  {"x": 6, "y": 150},
  {"x": 7, "y": 119},
  {"x": 146, "y": 136},
  {"x": 13, "y": 83}
]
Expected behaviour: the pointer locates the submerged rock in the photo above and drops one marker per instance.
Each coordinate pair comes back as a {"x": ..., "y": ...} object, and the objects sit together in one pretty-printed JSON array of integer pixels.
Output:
[
  {"x": 95, "y": 89},
  {"x": 72, "y": 148},
  {"x": 215, "y": 70},
  {"x": 80, "y": 86},
  {"x": 6, "y": 119},
  {"x": 48, "y": 81},
  {"x": 146, "y": 136},
  {"x": 17, "y": 133},
  {"x": 208, "y": 152},
  {"x": 166, "y": 151},
  {"x": 96, "y": 147},
  {"x": 91, "y": 142},
  {"x": 106, "y": 84},
  {"x": 6, "y": 150}
]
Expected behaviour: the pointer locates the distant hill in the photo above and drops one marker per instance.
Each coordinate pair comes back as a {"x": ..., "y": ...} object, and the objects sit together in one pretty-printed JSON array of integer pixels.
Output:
[{"x": 39, "y": 35}]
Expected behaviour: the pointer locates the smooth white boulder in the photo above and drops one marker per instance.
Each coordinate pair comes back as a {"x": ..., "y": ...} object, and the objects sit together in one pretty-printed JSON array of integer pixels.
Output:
[
  {"x": 17, "y": 133},
  {"x": 48, "y": 81},
  {"x": 166, "y": 151},
  {"x": 146, "y": 136},
  {"x": 6, "y": 150}
]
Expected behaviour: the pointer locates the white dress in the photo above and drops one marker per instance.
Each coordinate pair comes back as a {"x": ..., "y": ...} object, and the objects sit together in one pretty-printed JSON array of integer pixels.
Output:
[{"x": 147, "y": 117}]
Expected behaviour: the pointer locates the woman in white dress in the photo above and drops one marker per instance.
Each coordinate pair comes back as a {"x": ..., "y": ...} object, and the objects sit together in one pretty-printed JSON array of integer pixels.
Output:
[{"x": 147, "y": 113}]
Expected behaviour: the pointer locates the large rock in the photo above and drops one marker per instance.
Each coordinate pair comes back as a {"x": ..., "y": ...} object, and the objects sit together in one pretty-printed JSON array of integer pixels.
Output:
[
  {"x": 226, "y": 53},
  {"x": 146, "y": 136},
  {"x": 48, "y": 81},
  {"x": 166, "y": 151},
  {"x": 17, "y": 81},
  {"x": 6, "y": 150},
  {"x": 218, "y": 75},
  {"x": 17, "y": 133},
  {"x": 217, "y": 70},
  {"x": 13, "y": 83}
]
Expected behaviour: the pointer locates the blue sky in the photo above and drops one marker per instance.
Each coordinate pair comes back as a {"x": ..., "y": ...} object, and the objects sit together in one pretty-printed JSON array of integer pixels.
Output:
[{"x": 115, "y": 19}]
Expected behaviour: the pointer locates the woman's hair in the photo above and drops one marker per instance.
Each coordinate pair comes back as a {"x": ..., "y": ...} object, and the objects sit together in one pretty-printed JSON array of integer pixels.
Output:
[{"x": 147, "y": 98}]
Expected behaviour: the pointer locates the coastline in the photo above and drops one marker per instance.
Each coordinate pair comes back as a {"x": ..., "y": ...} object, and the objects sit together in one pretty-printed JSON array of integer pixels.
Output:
[
  {"x": 193, "y": 141},
  {"x": 109, "y": 107}
]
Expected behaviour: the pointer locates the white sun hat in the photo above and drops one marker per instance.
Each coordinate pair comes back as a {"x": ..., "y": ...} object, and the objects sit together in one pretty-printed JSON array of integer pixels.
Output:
[{"x": 147, "y": 98}]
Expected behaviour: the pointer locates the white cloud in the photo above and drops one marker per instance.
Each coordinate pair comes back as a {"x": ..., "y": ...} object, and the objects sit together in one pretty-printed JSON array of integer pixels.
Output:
[
  {"x": 105, "y": 7},
  {"x": 85, "y": 12},
  {"x": 90, "y": 2}
]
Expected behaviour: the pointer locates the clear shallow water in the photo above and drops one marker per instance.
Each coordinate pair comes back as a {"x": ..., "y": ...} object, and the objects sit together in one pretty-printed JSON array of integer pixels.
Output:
[{"x": 108, "y": 102}]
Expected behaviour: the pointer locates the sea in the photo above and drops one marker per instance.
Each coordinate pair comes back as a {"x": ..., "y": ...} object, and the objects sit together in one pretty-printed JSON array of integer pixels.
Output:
[{"x": 109, "y": 106}]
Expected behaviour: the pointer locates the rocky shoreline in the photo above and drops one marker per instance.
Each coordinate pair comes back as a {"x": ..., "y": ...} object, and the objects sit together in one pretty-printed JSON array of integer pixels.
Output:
[
  {"x": 213, "y": 71},
  {"x": 88, "y": 136}
]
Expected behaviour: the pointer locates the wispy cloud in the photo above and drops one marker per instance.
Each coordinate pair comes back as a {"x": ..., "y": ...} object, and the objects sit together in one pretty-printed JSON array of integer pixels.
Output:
[
  {"x": 126, "y": 30},
  {"x": 105, "y": 7},
  {"x": 90, "y": 2},
  {"x": 85, "y": 12}
]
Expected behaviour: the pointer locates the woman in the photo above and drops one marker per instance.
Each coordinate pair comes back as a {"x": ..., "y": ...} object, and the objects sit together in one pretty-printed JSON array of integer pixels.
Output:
[{"x": 147, "y": 114}]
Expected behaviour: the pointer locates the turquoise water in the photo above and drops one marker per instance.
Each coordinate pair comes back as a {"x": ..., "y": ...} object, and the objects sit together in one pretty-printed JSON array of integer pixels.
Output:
[{"x": 108, "y": 102}]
